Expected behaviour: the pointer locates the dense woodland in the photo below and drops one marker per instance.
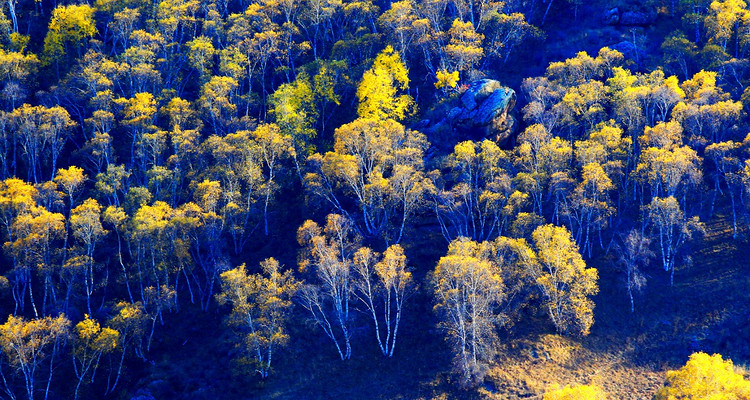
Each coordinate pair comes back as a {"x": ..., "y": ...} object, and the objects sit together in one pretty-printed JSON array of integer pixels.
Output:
[{"x": 237, "y": 199}]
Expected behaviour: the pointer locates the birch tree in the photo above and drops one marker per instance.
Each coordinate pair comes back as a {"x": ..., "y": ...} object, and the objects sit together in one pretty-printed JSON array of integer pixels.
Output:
[
  {"x": 382, "y": 285},
  {"x": 635, "y": 253},
  {"x": 27, "y": 344},
  {"x": 91, "y": 342},
  {"x": 673, "y": 229},
  {"x": 260, "y": 309},
  {"x": 328, "y": 252},
  {"x": 563, "y": 279},
  {"x": 468, "y": 289}
]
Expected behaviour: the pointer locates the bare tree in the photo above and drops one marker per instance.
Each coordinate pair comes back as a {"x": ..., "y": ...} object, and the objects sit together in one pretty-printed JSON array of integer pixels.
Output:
[{"x": 635, "y": 253}]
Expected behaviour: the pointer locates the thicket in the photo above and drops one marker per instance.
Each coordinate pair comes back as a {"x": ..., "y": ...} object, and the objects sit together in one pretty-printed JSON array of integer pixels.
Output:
[{"x": 158, "y": 157}]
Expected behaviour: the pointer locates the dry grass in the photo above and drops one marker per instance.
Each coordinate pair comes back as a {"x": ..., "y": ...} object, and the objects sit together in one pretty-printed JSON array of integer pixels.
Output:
[
  {"x": 628, "y": 355},
  {"x": 535, "y": 365}
]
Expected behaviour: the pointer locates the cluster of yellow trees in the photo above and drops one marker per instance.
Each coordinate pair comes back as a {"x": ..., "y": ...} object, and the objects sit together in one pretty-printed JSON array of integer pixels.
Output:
[
  {"x": 636, "y": 150},
  {"x": 147, "y": 147}
]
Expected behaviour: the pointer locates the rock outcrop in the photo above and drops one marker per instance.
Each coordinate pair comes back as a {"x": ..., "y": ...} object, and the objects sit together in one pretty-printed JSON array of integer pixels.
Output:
[
  {"x": 635, "y": 15},
  {"x": 482, "y": 112}
]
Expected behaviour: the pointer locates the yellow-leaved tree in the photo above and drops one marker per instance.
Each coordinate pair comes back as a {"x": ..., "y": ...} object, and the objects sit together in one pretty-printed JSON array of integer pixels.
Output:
[
  {"x": 260, "y": 309},
  {"x": 28, "y": 344},
  {"x": 382, "y": 284},
  {"x": 70, "y": 26},
  {"x": 378, "y": 92},
  {"x": 561, "y": 274},
  {"x": 468, "y": 291},
  {"x": 91, "y": 342},
  {"x": 379, "y": 164},
  {"x": 705, "y": 377},
  {"x": 328, "y": 254},
  {"x": 465, "y": 47},
  {"x": 446, "y": 80}
]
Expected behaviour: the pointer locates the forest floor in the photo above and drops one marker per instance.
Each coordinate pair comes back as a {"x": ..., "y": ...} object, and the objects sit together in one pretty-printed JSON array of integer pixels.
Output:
[{"x": 626, "y": 354}]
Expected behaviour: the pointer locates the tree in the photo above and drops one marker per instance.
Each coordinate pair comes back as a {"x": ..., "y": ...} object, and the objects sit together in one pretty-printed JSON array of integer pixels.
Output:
[
  {"x": 465, "y": 47},
  {"x": 86, "y": 225},
  {"x": 293, "y": 107},
  {"x": 664, "y": 135},
  {"x": 41, "y": 131},
  {"x": 123, "y": 24},
  {"x": 539, "y": 157},
  {"x": 398, "y": 21},
  {"x": 705, "y": 377},
  {"x": 480, "y": 189},
  {"x": 27, "y": 344},
  {"x": 156, "y": 300},
  {"x": 260, "y": 307},
  {"x": 70, "y": 25},
  {"x": 592, "y": 204},
  {"x": 314, "y": 18},
  {"x": 217, "y": 102},
  {"x": 635, "y": 254},
  {"x": 17, "y": 72},
  {"x": 380, "y": 164},
  {"x": 272, "y": 146},
  {"x": 505, "y": 31},
  {"x": 679, "y": 50},
  {"x": 70, "y": 180},
  {"x": 378, "y": 91},
  {"x": 141, "y": 74},
  {"x": 139, "y": 113},
  {"x": 673, "y": 228},
  {"x": 468, "y": 290},
  {"x": 32, "y": 247},
  {"x": 580, "y": 392},
  {"x": 151, "y": 247},
  {"x": 563, "y": 279},
  {"x": 128, "y": 320},
  {"x": 112, "y": 183},
  {"x": 729, "y": 168},
  {"x": 201, "y": 56},
  {"x": 446, "y": 80},
  {"x": 329, "y": 254},
  {"x": 723, "y": 20},
  {"x": 238, "y": 168},
  {"x": 583, "y": 102},
  {"x": 91, "y": 342},
  {"x": 670, "y": 172},
  {"x": 708, "y": 114},
  {"x": 382, "y": 285}
]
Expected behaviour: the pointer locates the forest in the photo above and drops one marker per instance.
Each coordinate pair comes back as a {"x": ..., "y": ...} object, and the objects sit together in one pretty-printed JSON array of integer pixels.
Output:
[{"x": 374, "y": 199}]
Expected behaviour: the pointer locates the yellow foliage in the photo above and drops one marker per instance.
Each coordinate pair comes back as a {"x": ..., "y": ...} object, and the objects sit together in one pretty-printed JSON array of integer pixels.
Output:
[
  {"x": 69, "y": 25},
  {"x": 564, "y": 279},
  {"x": 468, "y": 289},
  {"x": 377, "y": 93},
  {"x": 705, "y": 377},
  {"x": 24, "y": 342},
  {"x": 445, "y": 79},
  {"x": 70, "y": 179},
  {"x": 465, "y": 47},
  {"x": 85, "y": 221},
  {"x": 92, "y": 337}
]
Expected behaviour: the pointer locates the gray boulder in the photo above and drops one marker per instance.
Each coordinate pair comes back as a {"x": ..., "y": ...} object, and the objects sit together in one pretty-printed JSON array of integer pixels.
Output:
[
  {"x": 633, "y": 15},
  {"x": 482, "y": 112}
]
